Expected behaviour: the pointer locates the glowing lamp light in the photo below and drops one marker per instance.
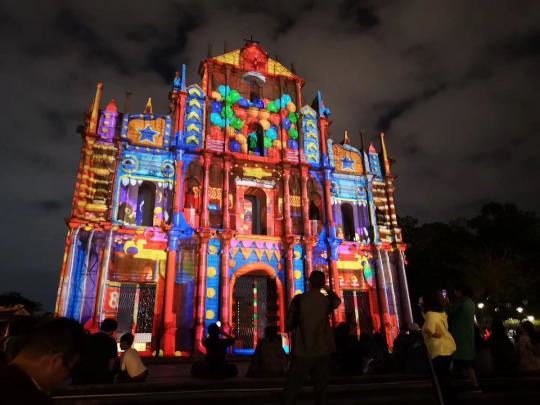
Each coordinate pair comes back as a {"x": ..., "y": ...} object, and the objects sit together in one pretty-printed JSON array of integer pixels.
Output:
[
  {"x": 530, "y": 318},
  {"x": 481, "y": 305},
  {"x": 519, "y": 309}
]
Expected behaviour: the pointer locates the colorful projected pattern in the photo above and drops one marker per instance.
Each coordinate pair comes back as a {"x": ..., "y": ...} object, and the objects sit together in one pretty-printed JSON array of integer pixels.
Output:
[
  {"x": 347, "y": 159},
  {"x": 374, "y": 162},
  {"x": 256, "y": 127},
  {"x": 311, "y": 135},
  {"x": 247, "y": 251},
  {"x": 212, "y": 281},
  {"x": 147, "y": 130},
  {"x": 226, "y": 221},
  {"x": 298, "y": 265},
  {"x": 193, "y": 127}
]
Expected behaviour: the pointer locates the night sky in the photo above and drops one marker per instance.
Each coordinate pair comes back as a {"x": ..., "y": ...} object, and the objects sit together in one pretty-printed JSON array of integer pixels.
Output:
[{"x": 454, "y": 85}]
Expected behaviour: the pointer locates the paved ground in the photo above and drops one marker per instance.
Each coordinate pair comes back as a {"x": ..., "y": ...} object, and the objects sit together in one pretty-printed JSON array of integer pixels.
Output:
[{"x": 171, "y": 383}]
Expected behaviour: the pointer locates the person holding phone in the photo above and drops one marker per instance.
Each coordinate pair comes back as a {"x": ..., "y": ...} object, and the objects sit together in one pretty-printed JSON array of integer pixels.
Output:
[
  {"x": 214, "y": 364},
  {"x": 308, "y": 320}
]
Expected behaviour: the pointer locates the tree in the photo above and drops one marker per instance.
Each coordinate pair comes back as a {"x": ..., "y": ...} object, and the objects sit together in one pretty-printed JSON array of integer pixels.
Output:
[
  {"x": 506, "y": 255},
  {"x": 495, "y": 253},
  {"x": 11, "y": 298}
]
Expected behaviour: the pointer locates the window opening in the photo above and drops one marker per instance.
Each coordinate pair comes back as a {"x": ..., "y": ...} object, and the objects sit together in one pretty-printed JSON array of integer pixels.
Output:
[
  {"x": 145, "y": 204},
  {"x": 347, "y": 221}
]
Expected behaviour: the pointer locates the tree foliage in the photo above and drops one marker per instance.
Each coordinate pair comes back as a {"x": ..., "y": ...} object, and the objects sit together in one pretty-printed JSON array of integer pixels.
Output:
[
  {"x": 495, "y": 253},
  {"x": 11, "y": 298}
]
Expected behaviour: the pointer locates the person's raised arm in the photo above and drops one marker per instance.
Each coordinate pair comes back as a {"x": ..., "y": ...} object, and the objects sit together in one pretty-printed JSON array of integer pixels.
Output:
[
  {"x": 230, "y": 338},
  {"x": 335, "y": 301}
]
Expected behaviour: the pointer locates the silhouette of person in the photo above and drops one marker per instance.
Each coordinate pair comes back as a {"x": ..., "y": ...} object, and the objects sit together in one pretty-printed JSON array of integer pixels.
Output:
[
  {"x": 214, "y": 365},
  {"x": 502, "y": 349},
  {"x": 461, "y": 316},
  {"x": 312, "y": 338},
  {"x": 528, "y": 347},
  {"x": 269, "y": 359},
  {"x": 43, "y": 363},
  {"x": 99, "y": 356},
  {"x": 347, "y": 350}
]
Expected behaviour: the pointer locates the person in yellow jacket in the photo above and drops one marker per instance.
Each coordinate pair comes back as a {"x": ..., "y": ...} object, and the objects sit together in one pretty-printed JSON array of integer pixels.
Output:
[{"x": 439, "y": 342}]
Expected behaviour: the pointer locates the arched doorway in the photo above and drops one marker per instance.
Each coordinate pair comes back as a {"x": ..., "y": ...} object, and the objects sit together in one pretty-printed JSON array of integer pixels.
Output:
[{"x": 257, "y": 301}]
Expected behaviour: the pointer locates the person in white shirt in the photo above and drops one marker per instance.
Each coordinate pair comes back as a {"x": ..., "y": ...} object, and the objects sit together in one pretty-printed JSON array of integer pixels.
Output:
[{"x": 132, "y": 368}]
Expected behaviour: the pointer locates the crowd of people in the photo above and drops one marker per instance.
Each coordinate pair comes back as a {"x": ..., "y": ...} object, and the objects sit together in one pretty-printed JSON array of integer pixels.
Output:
[
  {"x": 34, "y": 359},
  {"x": 454, "y": 342},
  {"x": 37, "y": 358}
]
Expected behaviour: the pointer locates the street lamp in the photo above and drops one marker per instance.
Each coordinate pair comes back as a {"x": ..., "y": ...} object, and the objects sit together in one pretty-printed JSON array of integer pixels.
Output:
[
  {"x": 530, "y": 318},
  {"x": 481, "y": 305},
  {"x": 519, "y": 309}
]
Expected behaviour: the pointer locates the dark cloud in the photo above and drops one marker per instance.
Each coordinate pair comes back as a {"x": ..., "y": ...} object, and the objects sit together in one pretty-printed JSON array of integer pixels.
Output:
[
  {"x": 49, "y": 205},
  {"x": 490, "y": 157},
  {"x": 73, "y": 26},
  {"x": 158, "y": 57},
  {"x": 87, "y": 40},
  {"x": 454, "y": 87},
  {"x": 57, "y": 124},
  {"x": 526, "y": 45},
  {"x": 284, "y": 14},
  {"x": 395, "y": 110},
  {"x": 142, "y": 33},
  {"x": 361, "y": 12}
]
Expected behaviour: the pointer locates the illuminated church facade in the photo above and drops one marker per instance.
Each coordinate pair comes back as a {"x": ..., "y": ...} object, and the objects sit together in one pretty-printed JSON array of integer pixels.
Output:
[{"x": 220, "y": 209}]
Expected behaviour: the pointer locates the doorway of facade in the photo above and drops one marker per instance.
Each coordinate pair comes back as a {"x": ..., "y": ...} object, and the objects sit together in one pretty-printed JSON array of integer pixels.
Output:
[
  {"x": 255, "y": 306},
  {"x": 136, "y": 312},
  {"x": 358, "y": 311}
]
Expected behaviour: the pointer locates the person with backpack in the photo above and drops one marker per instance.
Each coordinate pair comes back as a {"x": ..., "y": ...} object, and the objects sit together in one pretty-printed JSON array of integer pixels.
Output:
[{"x": 308, "y": 321}]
